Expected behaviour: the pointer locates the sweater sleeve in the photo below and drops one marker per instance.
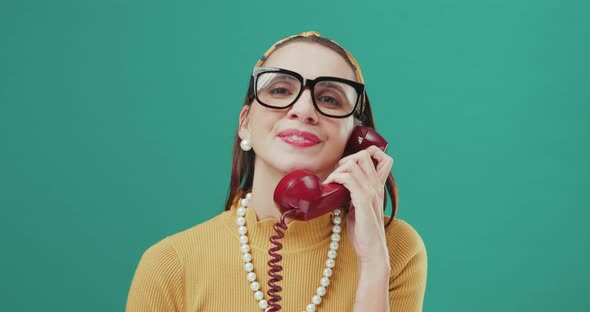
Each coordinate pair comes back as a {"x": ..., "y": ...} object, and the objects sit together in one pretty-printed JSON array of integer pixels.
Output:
[
  {"x": 158, "y": 283},
  {"x": 407, "y": 283}
]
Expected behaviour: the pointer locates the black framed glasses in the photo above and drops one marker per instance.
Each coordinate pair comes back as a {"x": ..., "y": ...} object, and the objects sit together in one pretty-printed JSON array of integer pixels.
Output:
[{"x": 332, "y": 96}]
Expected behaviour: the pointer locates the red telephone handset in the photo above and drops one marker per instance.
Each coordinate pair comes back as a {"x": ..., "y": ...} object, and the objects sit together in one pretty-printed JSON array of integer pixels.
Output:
[{"x": 303, "y": 191}]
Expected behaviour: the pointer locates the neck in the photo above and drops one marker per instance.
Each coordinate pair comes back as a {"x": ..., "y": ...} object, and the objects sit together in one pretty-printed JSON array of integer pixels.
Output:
[{"x": 264, "y": 183}]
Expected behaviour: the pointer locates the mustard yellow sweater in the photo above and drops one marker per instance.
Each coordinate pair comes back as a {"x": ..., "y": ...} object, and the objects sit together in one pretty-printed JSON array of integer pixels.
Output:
[{"x": 201, "y": 268}]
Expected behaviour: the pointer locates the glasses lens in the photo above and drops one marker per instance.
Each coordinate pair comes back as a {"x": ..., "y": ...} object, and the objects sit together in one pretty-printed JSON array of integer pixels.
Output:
[
  {"x": 335, "y": 98},
  {"x": 277, "y": 89}
]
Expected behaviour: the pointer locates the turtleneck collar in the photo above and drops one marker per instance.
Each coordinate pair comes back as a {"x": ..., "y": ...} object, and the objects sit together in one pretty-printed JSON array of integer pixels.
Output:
[{"x": 299, "y": 234}]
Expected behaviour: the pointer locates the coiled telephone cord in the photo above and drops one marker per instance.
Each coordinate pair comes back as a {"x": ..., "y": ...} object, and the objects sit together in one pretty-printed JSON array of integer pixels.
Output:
[{"x": 275, "y": 268}]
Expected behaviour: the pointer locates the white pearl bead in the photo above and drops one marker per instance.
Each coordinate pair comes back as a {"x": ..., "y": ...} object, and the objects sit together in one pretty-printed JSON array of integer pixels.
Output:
[
  {"x": 245, "y": 248},
  {"x": 337, "y": 212},
  {"x": 263, "y": 304},
  {"x": 331, "y": 253},
  {"x": 246, "y": 145},
  {"x": 325, "y": 281},
  {"x": 259, "y": 295},
  {"x": 248, "y": 196},
  {"x": 242, "y": 230},
  {"x": 316, "y": 299},
  {"x": 248, "y": 257},
  {"x": 243, "y": 239},
  {"x": 240, "y": 221},
  {"x": 310, "y": 307},
  {"x": 334, "y": 245},
  {"x": 241, "y": 211},
  {"x": 327, "y": 272},
  {"x": 336, "y": 220},
  {"x": 254, "y": 286},
  {"x": 249, "y": 267},
  {"x": 321, "y": 291},
  {"x": 329, "y": 263},
  {"x": 251, "y": 276},
  {"x": 336, "y": 237},
  {"x": 244, "y": 202},
  {"x": 336, "y": 229}
]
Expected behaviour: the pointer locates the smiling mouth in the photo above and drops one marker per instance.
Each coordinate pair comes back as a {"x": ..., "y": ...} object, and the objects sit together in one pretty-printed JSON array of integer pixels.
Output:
[
  {"x": 299, "y": 138},
  {"x": 298, "y": 141}
]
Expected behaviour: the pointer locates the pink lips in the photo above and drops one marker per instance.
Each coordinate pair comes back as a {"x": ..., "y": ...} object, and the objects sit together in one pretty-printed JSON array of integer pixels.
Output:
[{"x": 299, "y": 138}]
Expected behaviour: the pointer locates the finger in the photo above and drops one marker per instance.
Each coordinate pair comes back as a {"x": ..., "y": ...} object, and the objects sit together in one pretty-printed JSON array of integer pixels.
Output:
[
  {"x": 349, "y": 181},
  {"x": 377, "y": 175},
  {"x": 370, "y": 178},
  {"x": 360, "y": 195},
  {"x": 364, "y": 160},
  {"x": 348, "y": 167},
  {"x": 338, "y": 169},
  {"x": 370, "y": 149},
  {"x": 375, "y": 153},
  {"x": 384, "y": 162}
]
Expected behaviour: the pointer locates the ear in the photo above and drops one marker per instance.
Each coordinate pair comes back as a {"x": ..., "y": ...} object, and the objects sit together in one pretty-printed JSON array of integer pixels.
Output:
[{"x": 244, "y": 130}]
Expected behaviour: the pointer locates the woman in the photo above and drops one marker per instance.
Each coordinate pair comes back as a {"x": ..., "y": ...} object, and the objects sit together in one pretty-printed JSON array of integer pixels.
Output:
[{"x": 348, "y": 260}]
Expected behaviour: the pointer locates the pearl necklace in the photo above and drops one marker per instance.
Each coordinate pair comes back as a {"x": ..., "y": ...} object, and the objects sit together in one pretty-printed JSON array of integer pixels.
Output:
[{"x": 249, "y": 267}]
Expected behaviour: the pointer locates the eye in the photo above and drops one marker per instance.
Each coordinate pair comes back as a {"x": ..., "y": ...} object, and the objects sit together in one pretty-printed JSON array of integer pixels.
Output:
[
  {"x": 332, "y": 95},
  {"x": 329, "y": 100},
  {"x": 279, "y": 91},
  {"x": 277, "y": 86}
]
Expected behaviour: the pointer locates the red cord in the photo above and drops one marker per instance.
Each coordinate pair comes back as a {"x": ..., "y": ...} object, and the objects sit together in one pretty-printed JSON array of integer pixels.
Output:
[{"x": 275, "y": 268}]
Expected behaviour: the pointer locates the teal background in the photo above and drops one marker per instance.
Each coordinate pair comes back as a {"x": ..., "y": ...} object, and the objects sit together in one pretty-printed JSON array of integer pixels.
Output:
[{"x": 117, "y": 117}]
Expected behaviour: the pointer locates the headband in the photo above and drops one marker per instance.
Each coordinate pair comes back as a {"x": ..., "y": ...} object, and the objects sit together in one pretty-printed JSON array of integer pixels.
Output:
[{"x": 355, "y": 64}]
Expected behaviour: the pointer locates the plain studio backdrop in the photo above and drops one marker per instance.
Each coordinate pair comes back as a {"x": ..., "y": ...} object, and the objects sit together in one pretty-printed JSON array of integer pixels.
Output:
[{"x": 117, "y": 120}]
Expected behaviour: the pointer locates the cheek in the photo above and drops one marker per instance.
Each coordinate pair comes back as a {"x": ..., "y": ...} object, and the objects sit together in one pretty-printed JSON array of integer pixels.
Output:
[
  {"x": 340, "y": 131},
  {"x": 263, "y": 120}
]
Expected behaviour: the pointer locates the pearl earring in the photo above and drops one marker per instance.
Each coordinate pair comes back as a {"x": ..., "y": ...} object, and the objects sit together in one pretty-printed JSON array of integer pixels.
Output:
[{"x": 246, "y": 145}]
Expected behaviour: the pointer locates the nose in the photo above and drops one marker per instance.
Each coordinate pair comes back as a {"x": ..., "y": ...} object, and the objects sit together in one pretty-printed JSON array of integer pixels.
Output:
[{"x": 303, "y": 109}]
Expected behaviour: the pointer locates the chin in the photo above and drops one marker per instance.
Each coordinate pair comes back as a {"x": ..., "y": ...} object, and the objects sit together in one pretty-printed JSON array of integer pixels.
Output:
[
  {"x": 310, "y": 165},
  {"x": 286, "y": 162}
]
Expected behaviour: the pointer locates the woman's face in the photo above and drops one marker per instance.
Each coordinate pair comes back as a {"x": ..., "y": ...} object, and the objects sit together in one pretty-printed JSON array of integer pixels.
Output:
[{"x": 273, "y": 132}]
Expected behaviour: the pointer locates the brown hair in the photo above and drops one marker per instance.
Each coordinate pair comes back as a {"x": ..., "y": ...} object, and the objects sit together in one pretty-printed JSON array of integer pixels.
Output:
[{"x": 242, "y": 173}]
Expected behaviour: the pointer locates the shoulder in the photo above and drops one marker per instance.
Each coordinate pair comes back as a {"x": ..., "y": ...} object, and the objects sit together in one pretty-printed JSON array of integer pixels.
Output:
[
  {"x": 190, "y": 240},
  {"x": 172, "y": 251},
  {"x": 405, "y": 245},
  {"x": 160, "y": 278}
]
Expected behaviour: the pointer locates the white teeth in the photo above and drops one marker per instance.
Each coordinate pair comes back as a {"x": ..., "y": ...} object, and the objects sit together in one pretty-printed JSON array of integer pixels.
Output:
[{"x": 296, "y": 138}]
